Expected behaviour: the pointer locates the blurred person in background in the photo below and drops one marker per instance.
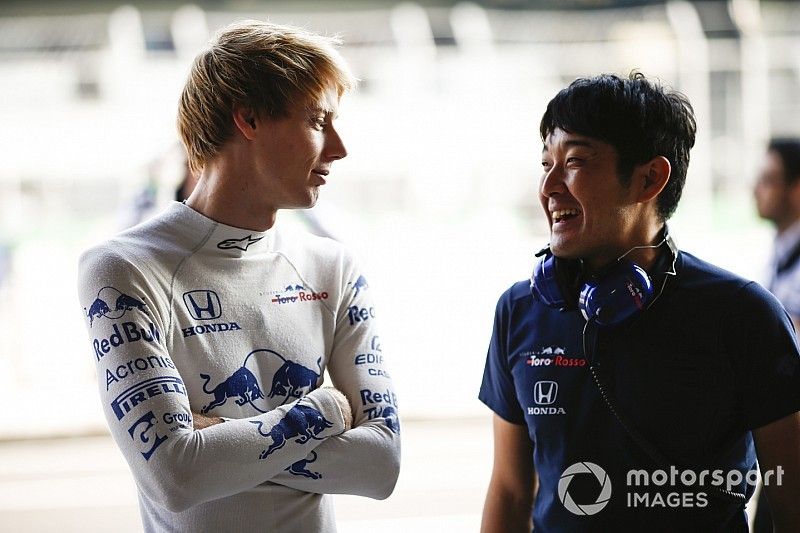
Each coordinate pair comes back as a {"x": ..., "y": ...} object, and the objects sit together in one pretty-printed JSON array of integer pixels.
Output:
[
  {"x": 212, "y": 326},
  {"x": 777, "y": 196},
  {"x": 623, "y": 354}
]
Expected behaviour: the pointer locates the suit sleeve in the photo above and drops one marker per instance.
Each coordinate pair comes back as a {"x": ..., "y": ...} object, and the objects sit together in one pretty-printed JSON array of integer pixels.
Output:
[
  {"x": 365, "y": 460},
  {"x": 149, "y": 413}
]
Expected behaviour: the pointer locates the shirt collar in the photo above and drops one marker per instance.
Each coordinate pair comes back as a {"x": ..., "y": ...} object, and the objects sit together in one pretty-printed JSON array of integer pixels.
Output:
[{"x": 224, "y": 240}]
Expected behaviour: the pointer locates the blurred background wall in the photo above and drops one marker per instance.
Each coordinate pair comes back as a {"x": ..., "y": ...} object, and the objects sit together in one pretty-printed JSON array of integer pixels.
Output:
[{"x": 438, "y": 194}]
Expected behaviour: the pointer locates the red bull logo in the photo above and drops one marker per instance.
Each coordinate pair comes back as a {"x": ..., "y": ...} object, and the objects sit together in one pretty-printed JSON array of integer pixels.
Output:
[
  {"x": 131, "y": 332},
  {"x": 356, "y": 314},
  {"x": 359, "y": 285},
  {"x": 301, "y": 423},
  {"x": 112, "y": 304},
  {"x": 290, "y": 381}
]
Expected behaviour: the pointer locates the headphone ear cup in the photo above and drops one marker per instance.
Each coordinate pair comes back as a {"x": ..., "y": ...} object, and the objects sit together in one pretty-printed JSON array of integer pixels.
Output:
[
  {"x": 554, "y": 282},
  {"x": 622, "y": 291}
]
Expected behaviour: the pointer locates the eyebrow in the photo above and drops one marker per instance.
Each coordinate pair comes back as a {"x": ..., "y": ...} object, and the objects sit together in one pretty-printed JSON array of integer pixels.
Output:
[
  {"x": 314, "y": 109},
  {"x": 574, "y": 142}
]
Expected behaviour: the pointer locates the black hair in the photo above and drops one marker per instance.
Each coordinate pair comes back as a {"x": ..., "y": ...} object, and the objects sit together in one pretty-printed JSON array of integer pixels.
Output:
[
  {"x": 788, "y": 149},
  {"x": 639, "y": 118}
]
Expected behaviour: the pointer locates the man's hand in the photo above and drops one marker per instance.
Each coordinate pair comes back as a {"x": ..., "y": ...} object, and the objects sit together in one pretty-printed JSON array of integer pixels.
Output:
[
  {"x": 202, "y": 421},
  {"x": 344, "y": 405},
  {"x": 778, "y": 447}
]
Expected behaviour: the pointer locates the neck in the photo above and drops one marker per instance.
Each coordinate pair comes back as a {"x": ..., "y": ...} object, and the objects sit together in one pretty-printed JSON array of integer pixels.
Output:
[
  {"x": 782, "y": 225},
  {"x": 644, "y": 257},
  {"x": 222, "y": 194}
]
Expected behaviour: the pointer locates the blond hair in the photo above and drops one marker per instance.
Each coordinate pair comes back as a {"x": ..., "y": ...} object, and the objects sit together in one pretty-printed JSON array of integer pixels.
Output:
[{"x": 257, "y": 65}]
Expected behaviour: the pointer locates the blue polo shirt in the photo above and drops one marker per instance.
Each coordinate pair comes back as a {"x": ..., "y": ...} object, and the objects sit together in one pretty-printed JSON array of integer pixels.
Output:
[{"x": 712, "y": 359}]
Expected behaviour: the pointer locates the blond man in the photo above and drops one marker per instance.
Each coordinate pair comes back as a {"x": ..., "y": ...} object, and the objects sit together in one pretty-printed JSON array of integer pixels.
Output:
[{"x": 211, "y": 327}]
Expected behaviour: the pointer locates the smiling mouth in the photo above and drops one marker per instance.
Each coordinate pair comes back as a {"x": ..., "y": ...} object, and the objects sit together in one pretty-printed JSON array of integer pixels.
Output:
[{"x": 562, "y": 215}]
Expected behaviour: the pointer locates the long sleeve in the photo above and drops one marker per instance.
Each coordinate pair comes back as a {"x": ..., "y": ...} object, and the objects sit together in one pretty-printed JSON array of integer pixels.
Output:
[
  {"x": 365, "y": 460},
  {"x": 146, "y": 399}
]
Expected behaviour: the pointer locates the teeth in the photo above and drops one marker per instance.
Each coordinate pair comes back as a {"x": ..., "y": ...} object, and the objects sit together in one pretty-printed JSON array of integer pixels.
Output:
[{"x": 561, "y": 213}]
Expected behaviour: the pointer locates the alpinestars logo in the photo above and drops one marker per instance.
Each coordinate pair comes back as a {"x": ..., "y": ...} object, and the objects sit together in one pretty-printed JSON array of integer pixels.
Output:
[{"x": 239, "y": 244}]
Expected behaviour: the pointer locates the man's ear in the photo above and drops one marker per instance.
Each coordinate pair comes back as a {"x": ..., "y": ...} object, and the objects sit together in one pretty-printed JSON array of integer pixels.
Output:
[
  {"x": 651, "y": 178},
  {"x": 245, "y": 121}
]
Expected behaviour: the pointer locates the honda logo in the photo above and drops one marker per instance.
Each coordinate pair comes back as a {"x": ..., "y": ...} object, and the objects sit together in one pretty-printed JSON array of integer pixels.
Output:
[
  {"x": 203, "y": 305},
  {"x": 545, "y": 392}
]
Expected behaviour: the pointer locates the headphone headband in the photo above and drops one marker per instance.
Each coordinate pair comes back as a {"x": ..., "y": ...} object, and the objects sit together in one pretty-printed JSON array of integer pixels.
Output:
[{"x": 616, "y": 293}]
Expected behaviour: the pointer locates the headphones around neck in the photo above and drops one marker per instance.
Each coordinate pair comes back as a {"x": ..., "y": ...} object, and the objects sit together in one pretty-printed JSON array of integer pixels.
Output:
[{"x": 609, "y": 297}]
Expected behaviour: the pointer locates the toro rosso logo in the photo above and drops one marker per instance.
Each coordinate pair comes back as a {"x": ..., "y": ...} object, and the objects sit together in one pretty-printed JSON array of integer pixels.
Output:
[
  {"x": 300, "y": 421},
  {"x": 239, "y": 244},
  {"x": 111, "y": 303},
  {"x": 290, "y": 381},
  {"x": 552, "y": 356},
  {"x": 298, "y": 293}
]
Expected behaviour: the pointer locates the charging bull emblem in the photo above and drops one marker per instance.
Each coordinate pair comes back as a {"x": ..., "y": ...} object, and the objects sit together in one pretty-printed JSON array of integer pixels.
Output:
[
  {"x": 359, "y": 285},
  {"x": 122, "y": 303},
  {"x": 300, "y": 468},
  {"x": 241, "y": 385},
  {"x": 293, "y": 380},
  {"x": 300, "y": 421},
  {"x": 391, "y": 419}
]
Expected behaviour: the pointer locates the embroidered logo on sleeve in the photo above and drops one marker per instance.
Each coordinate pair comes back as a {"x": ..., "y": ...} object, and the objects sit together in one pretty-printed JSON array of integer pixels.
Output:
[
  {"x": 112, "y": 304},
  {"x": 300, "y": 468},
  {"x": 359, "y": 285},
  {"x": 300, "y": 421}
]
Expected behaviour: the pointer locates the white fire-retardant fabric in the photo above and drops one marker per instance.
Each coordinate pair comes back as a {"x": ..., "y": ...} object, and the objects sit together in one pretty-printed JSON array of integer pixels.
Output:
[{"x": 186, "y": 314}]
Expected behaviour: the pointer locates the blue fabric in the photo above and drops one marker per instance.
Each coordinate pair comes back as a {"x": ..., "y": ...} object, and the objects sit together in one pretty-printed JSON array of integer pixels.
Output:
[{"x": 713, "y": 358}]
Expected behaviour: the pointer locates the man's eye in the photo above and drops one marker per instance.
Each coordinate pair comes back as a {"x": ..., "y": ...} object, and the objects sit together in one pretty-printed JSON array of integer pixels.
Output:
[
  {"x": 574, "y": 160},
  {"x": 320, "y": 123},
  {"x": 546, "y": 164}
]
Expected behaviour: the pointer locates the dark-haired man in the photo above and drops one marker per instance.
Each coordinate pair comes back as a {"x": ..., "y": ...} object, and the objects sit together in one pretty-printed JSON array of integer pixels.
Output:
[
  {"x": 777, "y": 194},
  {"x": 635, "y": 382}
]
